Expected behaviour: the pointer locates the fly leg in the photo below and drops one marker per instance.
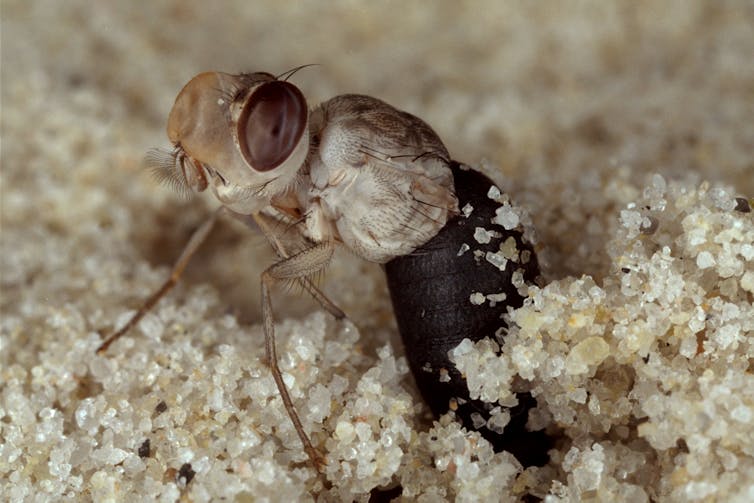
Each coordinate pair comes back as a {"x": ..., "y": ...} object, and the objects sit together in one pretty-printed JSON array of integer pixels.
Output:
[
  {"x": 199, "y": 236},
  {"x": 295, "y": 267},
  {"x": 306, "y": 283}
]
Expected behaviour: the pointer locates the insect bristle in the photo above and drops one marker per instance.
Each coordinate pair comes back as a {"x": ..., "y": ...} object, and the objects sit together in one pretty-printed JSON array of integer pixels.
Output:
[
  {"x": 256, "y": 190},
  {"x": 293, "y": 227},
  {"x": 164, "y": 166},
  {"x": 291, "y": 286},
  {"x": 290, "y": 73},
  {"x": 232, "y": 93}
]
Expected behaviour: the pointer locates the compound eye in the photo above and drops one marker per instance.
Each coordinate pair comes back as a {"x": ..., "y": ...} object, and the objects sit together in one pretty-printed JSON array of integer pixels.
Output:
[{"x": 271, "y": 124}]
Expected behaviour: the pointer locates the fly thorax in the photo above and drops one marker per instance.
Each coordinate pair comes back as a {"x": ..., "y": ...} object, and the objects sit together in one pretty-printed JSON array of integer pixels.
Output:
[
  {"x": 319, "y": 226},
  {"x": 381, "y": 214}
]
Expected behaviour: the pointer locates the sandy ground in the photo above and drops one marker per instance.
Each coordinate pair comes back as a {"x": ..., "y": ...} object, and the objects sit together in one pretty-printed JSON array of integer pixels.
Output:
[{"x": 572, "y": 107}]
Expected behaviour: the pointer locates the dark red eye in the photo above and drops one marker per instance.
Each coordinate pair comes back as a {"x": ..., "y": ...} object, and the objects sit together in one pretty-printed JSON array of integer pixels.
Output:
[{"x": 271, "y": 124}]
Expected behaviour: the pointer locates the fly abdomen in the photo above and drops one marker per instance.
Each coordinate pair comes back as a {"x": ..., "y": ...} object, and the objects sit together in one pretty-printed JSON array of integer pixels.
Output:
[{"x": 433, "y": 292}]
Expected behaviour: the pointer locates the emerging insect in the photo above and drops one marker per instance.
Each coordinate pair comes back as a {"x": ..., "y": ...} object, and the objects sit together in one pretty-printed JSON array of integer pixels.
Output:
[
  {"x": 354, "y": 171},
  {"x": 358, "y": 172}
]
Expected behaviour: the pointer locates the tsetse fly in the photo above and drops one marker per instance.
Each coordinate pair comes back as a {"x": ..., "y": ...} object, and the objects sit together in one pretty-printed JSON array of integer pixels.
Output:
[{"x": 352, "y": 171}]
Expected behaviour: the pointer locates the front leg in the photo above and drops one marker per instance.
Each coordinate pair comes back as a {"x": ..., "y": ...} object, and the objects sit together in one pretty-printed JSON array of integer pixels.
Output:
[
  {"x": 197, "y": 238},
  {"x": 295, "y": 267}
]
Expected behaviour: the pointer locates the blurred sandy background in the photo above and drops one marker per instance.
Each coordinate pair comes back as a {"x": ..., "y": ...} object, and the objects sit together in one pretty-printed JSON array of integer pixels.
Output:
[{"x": 555, "y": 99}]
